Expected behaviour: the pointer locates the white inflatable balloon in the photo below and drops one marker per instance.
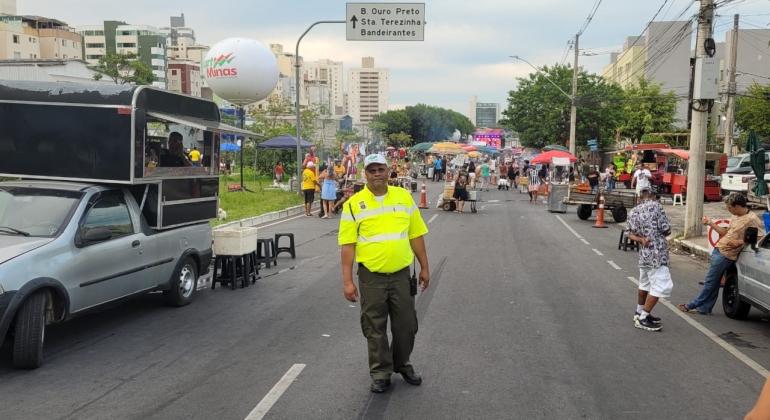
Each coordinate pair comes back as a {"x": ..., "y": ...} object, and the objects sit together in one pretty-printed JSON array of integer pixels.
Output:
[{"x": 240, "y": 70}]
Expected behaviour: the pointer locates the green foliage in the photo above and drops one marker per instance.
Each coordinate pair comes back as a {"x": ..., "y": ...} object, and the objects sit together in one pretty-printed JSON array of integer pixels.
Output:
[
  {"x": 400, "y": 139},
  {"x": 124, "y": 69},
  {"x": 346, "y": 136},
  {"x": 752, "y": 111},
  {"x": 646, "y": 110},
  {"x": 540, "y": 113},
  {"x": 422, "y": 123}
]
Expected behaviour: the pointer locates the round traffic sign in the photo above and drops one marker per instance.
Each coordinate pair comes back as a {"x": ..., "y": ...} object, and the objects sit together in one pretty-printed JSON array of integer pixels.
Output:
[{"x": 713, "y": 235}]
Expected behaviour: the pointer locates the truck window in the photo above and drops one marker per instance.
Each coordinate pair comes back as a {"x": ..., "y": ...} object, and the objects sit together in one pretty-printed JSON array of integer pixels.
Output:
[{"x": 110, "y": 211}]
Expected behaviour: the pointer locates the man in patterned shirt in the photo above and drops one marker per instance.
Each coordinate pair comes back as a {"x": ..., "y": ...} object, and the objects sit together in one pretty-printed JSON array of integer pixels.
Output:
[{"x": 648, "y": 225}]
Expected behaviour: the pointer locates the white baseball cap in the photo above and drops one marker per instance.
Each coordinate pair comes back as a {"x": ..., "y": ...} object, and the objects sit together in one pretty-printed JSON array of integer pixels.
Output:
[{"x": 374, "y": 158}]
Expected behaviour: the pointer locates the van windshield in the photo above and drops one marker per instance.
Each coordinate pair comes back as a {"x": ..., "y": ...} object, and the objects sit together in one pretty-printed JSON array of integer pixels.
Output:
[
  {"x": 733, "y": 162},
  {"x": 35, "y": 211}
]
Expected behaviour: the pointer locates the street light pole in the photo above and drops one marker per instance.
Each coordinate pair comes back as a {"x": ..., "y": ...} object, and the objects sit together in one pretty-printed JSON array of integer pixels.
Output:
[{"x": 297, "y": 68}]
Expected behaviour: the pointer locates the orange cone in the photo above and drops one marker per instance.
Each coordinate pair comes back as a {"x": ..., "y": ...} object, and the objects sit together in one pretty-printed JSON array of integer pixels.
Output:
[
  {"x": 423, "y": 198},
  {"x": 600, "y": 213}
]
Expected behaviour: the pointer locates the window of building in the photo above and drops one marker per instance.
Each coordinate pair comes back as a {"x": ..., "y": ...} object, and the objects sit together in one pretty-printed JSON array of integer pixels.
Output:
[
  {"x": 15, "y": 39},
  {"x": 173, "y": 72},
  {"x": 126, "y": 45},
  {"x": 94, "y": 45},
  {"x": 63, "y": 42}
]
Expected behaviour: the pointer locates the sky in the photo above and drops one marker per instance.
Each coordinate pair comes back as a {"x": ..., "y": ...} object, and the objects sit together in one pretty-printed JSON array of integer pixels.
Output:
[{"x": 467, "y": 47}]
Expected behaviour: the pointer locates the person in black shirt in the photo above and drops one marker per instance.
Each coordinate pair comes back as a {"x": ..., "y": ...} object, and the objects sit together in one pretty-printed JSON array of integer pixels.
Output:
[{"x": 174, "y": 155}]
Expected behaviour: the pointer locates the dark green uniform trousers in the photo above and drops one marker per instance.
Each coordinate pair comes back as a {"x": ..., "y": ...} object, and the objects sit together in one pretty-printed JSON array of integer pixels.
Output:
[{"x": 384, "y": 295}]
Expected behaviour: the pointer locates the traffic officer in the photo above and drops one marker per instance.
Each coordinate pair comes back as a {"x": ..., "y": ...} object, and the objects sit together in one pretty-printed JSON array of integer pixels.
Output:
[{"x": 382, "y": 228}]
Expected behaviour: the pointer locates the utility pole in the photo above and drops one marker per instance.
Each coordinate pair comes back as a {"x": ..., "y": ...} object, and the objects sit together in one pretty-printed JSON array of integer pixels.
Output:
[
  {"x": 731, "y": 88},
  {"x": 696, "y": 166},
  {"x": 573, "y": 108}
]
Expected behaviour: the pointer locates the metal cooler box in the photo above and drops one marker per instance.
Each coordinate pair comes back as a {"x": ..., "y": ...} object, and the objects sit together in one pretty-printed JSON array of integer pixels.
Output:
[{"x": 556, "y": 198}]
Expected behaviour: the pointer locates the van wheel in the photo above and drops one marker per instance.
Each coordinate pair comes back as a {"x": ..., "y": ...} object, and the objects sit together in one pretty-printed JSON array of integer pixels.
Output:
[
  {"x": 29, "y": 332},
  {"x": 732, "y": 304},
  {"x": 183, "y": 284}
]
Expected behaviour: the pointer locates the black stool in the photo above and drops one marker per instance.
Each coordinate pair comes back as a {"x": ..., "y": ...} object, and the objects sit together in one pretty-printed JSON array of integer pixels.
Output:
[
  {"x": 289, "y": 249},
  {"x": 266, "y": 252},
  {"x": 625, "y": 242},
  {"x": 229, "y": 269}
]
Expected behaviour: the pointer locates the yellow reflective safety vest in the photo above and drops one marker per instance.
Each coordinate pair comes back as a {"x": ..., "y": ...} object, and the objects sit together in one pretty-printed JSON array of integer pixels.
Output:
[{"x": 381, "y": 230}]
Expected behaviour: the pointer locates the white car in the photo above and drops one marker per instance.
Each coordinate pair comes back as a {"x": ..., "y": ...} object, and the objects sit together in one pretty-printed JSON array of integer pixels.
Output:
[{"x": 736, "y": 177}]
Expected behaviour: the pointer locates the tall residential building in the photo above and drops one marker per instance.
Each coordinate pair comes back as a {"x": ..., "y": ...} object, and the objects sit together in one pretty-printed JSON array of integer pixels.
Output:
[
  {"x": 368, "y": 91},
  {"x": 753, "y": 60},
  {"x": 177, "y": 33},
  {"x": 147, "y": 43},
  {"x": 7, "y": 7},
  {"x": 35, "y": 37},
  {"x": 484, "y": 114},
  {"x": 323, "y": 82},
  {"x": 662, "y": 55}
]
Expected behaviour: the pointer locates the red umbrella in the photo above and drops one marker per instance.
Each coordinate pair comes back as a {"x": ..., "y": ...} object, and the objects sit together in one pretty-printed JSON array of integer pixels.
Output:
[
  {"x": 547, "y": 156},
  {"x": 469, "y": 148}
]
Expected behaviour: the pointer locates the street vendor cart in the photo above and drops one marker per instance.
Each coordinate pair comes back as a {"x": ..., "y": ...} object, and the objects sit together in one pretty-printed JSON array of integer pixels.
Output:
[
  {"x": 447, "y": 201},
  {"x": 133, "y": 136}
]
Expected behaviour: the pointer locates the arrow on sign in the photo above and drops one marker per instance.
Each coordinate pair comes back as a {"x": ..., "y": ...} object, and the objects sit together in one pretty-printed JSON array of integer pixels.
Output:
[{"x": 354, "y": 19}]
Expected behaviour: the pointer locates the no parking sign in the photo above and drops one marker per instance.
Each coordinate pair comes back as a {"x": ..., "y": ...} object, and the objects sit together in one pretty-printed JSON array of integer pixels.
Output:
[{"x": 713, "y": 235}]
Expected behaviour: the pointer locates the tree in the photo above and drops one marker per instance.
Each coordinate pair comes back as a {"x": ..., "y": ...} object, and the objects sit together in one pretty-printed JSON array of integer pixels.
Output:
[
  {"x": 646, "y": 110},
  {"x": 400, "y": 139},
  {"x": 540, "y": 113},
  {"x": 124, "y": 69},
  {"x": 391, "y": 122},
  {"x": 422, "y": 123},
  {"x": 752, "y": 111}
]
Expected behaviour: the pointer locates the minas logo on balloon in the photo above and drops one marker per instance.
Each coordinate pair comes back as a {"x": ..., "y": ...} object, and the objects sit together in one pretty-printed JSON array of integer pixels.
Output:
[{"x": 220, "y": 66}]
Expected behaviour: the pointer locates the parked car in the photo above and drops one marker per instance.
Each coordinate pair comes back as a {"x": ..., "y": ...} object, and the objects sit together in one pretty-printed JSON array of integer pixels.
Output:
[
  {"x": 736, "y": 177},
  {"x": 67, "y": 248},
  {"x": 748, "y": 284}
]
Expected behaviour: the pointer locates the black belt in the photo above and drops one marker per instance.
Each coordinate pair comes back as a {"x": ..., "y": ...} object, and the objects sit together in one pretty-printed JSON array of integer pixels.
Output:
[{"x": 361, "y": 265}]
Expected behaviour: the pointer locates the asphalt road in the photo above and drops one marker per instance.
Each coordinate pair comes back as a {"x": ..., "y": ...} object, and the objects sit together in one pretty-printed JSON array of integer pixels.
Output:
[{"x": 524, "y": 319}]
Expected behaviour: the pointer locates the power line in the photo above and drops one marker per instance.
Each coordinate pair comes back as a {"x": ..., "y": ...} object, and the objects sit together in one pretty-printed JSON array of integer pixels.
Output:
[{"x": 590, "y": 17}]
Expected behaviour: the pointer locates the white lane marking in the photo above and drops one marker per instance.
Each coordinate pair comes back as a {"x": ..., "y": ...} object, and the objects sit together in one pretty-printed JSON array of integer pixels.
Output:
[
  {"x": 274, "y": 394},
  {"x": 584, "y": 241},
  {"x": 613, "y": 265},
  {"x": 748, "y": 361},
  {"x": 493, "y": 201},
  {"x": 577, "y": 235},
  {"x": 599, "y": 253},
  {"x": 432, "y": 218}
]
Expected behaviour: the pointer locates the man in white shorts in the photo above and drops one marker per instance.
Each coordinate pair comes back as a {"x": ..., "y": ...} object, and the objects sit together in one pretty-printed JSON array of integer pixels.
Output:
[{"x": 648, "y": 225}]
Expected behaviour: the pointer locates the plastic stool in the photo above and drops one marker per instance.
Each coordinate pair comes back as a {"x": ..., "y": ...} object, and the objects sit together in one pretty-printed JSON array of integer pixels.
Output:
[
  {"x": 266, "y": 252},
  {"x": 289, "y": 249},
  {"x": 625, "y": 242},
  {"x": 677, "y": 199},
  {"x": 232, "y": 268}
]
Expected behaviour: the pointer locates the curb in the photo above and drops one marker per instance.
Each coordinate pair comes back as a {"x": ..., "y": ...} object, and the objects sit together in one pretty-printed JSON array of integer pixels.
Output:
[
  {"x": 698, "y": 251},
  {"x": 265, "y": 218}
]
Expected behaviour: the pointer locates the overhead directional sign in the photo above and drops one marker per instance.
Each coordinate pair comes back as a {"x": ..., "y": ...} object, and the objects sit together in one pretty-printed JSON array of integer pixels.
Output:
[{"x": 385, "y": 22}]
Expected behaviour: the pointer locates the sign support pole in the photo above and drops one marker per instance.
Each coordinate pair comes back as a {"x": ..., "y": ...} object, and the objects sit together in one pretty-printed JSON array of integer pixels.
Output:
[{"x": 297, "y": 68}]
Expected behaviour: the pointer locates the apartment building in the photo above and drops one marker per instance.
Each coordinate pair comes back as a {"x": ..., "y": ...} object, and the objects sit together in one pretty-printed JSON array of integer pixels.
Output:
[
  {"x": 147, "y": 43},
  {"x": 36, "y": 37},
  {"x": 484, "y": 114},
  {"x": 323, "y": 83},
  {"x": 368, "y": 91},
  {"x": 662, "y": 55},
  {"x": 184, "y": 77}
]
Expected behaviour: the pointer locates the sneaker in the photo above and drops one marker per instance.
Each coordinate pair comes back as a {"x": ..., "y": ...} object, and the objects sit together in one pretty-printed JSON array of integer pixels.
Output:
[
  {"x": 646, "y": 324},
  {"x": 654, "y": 319}
]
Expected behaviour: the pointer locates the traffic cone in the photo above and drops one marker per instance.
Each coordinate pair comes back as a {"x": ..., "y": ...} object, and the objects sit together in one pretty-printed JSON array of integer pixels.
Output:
[
  {"x": 600, "y": 213},
  {"x": 423, "y": 198}
]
